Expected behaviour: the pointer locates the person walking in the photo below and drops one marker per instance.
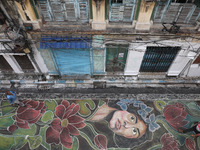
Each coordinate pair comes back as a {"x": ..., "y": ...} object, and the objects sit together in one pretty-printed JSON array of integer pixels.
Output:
[{"x": 12, "y": 98}]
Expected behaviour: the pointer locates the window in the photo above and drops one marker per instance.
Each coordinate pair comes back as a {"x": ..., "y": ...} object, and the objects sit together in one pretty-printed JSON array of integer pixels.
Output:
[
  {"x": 66, "y": 10},
  {"x": 122, "y": 11},
  {"x": 116, "y": 1},
  {"x": 179, "y": 11},
  {"x": 197, "y": 60},
  {"x": 4, "y": 66},
  {"x": 182, "y": 1},
  {"x": 24, "y": 62},
  {"x": 158, "y": 59},
  {"x": 116, "y": 57}
]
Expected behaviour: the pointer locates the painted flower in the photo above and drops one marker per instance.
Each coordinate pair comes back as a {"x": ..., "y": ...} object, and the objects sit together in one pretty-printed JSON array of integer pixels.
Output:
[
  {"x": 190, "y": 144},
  {"x": 175, "y": 115},
  {"x": 100, "y": 141},
  {"x": 28, "y": 114},
  {"x": 168, "y": 142},
  {"x": 65, "y": 124}
]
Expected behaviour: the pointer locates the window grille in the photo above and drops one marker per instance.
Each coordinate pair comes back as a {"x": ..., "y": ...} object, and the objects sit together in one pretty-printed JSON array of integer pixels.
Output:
[{"x": 158, "y": 59}]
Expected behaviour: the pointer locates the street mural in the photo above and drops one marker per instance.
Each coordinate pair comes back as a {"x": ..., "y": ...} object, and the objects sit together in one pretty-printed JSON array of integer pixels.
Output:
[{"x": 99, "y": 124}]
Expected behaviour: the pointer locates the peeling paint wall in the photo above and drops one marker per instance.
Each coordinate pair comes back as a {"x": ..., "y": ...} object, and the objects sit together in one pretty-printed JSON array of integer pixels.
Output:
[
  {"x": 98, "y": 9},
  {"x": 146, "y": 9},
  {"x": 28, "y": 10}
]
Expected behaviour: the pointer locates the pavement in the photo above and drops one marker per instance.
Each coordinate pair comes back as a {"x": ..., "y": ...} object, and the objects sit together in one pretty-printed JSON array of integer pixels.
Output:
[{"x": 67, "y": 118}]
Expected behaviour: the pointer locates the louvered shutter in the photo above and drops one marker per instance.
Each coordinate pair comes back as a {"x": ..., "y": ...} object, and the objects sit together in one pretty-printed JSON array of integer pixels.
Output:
[
  {"x": 45, "y": 10},
  {"x": 83, "y": 8},
  {"x": 115, "y": 13},
  {"x": 186, "y": 10},
  {"x": 57, "y": 10},
  {"x": 160, "y": 10},
  {"x": 172, "y": 12},
  {"x": 64, "y": 10},
  {"x": 195, "y": 16},
  {"x": 122, "y": 11},
  {"x": 70, "y": 11}
]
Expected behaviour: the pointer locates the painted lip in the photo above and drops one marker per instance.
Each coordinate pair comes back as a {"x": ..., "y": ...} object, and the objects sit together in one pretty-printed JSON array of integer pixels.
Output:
[{"x": 117, "y": 125}]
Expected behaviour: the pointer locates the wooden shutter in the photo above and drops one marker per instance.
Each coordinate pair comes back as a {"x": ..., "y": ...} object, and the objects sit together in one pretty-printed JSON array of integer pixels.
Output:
[
  {"x": 122, "y": 11},
  {"x": 178, "y": 12},
  {"x": 57, "y": 10},
  {"x": 116, "y": 57},
  {"x": 186, "y": 10},
  {"x": 114, "y": 14},
  {"x": 195, "y": 16},
  {"x": 64, "y": 10},
  {"x": 83, "y": 9},
  {"x": 172, "y": 12},
  {"x": 161, "y": 7},
  {"x": 45, "y": 10},
  {"x": 70, "y": 12}
]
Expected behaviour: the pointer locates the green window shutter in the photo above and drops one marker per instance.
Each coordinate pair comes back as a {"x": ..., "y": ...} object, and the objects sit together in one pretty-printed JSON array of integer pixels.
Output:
[
  {"x": 122, "y": 12},
  {"x": 116, "y": 57}
]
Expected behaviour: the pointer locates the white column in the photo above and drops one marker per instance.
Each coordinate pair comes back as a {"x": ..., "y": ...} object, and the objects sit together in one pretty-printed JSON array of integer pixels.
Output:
[
  {"x": 39, "y": 60},
  {"x": 134, "y": 59},
  {"x": 12, "y": 62}
]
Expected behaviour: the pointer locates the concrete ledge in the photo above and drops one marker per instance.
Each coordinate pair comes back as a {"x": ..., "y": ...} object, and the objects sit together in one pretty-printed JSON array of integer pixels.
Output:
[
  {"x": 144, "y": 26},
  {"x": 99, "y": 25}
]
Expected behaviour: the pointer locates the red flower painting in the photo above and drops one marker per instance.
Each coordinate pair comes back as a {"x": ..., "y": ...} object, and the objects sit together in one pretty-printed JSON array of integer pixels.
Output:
[
  {"x": 175, "y": 115},
  {"x": 190, "y": 144},
  {"x": 168, "y": 142},
  {"x": 28, "y": 114},
  {"x": 100, "y": 141},
  {"x": 65, "y": 124}
]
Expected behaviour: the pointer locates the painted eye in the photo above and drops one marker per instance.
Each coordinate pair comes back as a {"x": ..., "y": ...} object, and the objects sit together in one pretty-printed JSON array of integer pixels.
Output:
[
  {"x": 132, "y": 118},
  {"x": 134, "y": 131}
]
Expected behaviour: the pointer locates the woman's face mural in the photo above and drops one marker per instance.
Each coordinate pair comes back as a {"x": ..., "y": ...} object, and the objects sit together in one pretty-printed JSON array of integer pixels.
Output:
[{"x": 127, "y": 124}]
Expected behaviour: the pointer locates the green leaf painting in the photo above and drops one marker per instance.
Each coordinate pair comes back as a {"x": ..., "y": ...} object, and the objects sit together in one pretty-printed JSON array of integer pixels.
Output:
[
  {"x": 6, "y": 142},
  {"x": 43, "y": 134},
  {"x": 198, "y": 142},
  {"x": 19, "y": 142},
  {"x": 6, "y": 122},
  {"x": 25, "y": 132},
  {"x": 51, "y": 105},
  {"x": 48, "y": 115},
  {"x": 84, "y": 110},
  {"x": 34, "y": 141},
  {"x": 6, "y": 107}
]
